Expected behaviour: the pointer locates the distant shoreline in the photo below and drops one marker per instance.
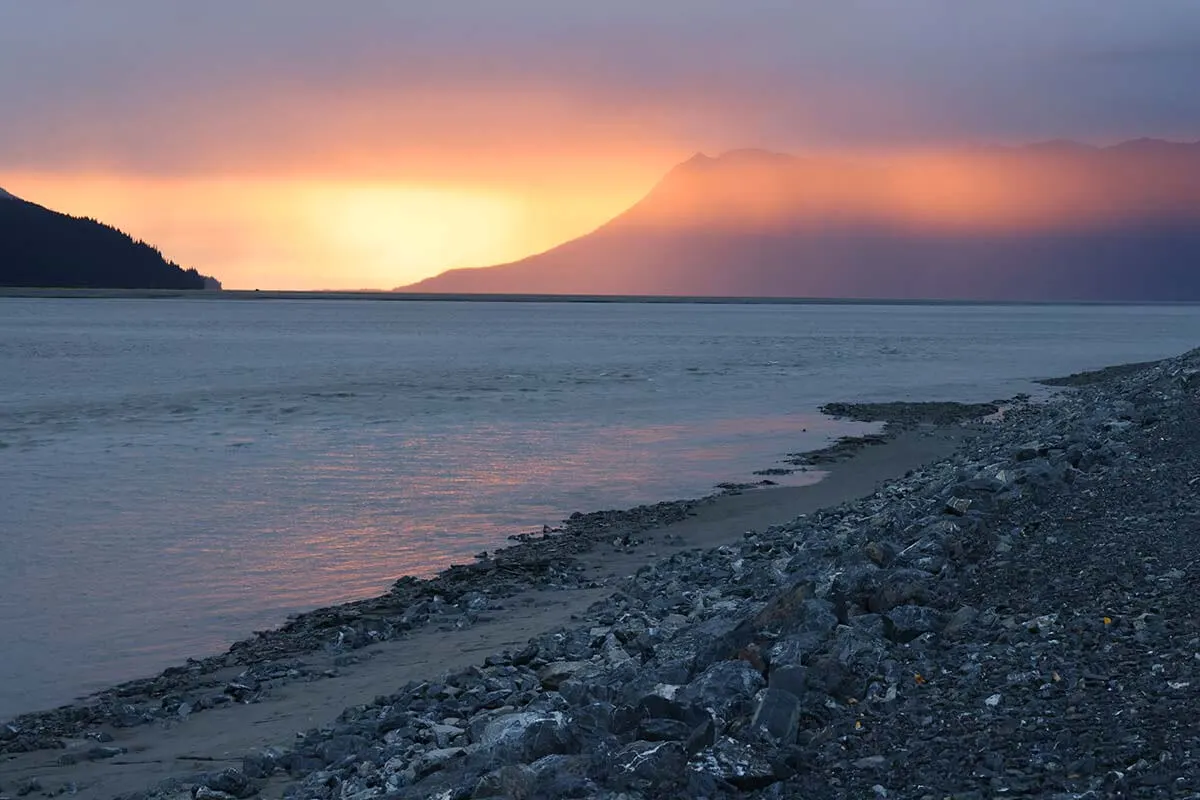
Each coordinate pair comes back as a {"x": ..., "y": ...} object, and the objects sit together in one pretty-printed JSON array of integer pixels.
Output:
[{"x": 280, "y": 294}]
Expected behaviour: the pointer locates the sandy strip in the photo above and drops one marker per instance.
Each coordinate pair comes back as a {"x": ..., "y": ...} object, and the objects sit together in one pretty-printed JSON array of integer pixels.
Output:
[{"x": 219, "y": 737}]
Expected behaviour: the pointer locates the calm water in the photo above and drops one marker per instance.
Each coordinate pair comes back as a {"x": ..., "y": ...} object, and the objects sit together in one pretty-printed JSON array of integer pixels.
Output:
[{"x": 176, "y": 473}]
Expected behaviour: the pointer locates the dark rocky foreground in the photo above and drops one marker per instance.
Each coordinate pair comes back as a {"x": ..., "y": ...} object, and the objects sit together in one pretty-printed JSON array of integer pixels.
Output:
[{"x": 1016, "y": 621}]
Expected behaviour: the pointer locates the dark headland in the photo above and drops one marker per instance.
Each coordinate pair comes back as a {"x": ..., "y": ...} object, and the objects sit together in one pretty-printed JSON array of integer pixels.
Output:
[
  {"x": 44, "y": 248},
  {"x": 1007, "y": 614}
]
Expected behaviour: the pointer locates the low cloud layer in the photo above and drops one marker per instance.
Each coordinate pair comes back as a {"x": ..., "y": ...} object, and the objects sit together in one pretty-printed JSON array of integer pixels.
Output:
[{"x": 369, "y": 86}]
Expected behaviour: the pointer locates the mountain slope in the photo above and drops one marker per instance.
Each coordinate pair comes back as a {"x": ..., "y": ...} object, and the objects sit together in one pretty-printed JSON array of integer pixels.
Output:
[
  {"x": 40, "y": 247},
  {"x": 1054, "y": 221}
]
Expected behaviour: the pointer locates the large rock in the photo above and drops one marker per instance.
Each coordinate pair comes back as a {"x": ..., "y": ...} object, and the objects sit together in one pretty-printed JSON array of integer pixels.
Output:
[
  {"x": 510, "y": 781},
  {"x": 507, "y": 730},
  {"x": 555, "y": 674},
  {"x": 232, "y": 782},
  {"x": 791, "y": 612},
  {"x": 788, "y": 610},
  {"x": 663, "y": 729},
  {"x": 727, "y": 688},
  {"x": 433, "y": 760},
  {"x": 714, "y": 640},
  {"x": 601, "y": 718},
  {"x": 344, "y": 748},
  {"x": 789, "y": 678},
  {"x": 738, "y": 763},
  {"x": 658, "y": 764},
  {"x": 549, "y": 736},
  {"x": 778, "y": 713},
  {"x": 814, "y": 622},
  {"x": 658, "y": 706},
  {"x": 897, "y": 587},
  {"x": 857, "y": 650},
  {"x": 852, "y": 584},
  {"x": 562, "y": 776},
  {"x": 903, "y": 624},
  {"x": 845, "y": 667}
]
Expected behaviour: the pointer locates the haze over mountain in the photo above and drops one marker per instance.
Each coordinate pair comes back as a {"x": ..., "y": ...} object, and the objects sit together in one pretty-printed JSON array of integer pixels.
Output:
[
  {"x": 43, "y": 248},
  {"x": 1056, "y": 220}
]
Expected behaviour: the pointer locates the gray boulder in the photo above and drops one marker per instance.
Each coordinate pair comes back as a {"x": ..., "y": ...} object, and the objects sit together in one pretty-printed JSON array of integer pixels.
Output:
[
  {"x": 905, "y": 623},
  {"x": 778, "y": 713},
  {"x": 727, "y": 688}
]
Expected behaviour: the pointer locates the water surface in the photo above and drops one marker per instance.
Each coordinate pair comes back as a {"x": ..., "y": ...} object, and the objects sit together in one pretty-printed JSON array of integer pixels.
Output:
[{"x": 176, "y": 473}]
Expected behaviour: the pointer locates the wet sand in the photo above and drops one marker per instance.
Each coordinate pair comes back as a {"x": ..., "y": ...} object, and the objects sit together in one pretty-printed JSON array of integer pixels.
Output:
[{"x": 221, "y": 736}]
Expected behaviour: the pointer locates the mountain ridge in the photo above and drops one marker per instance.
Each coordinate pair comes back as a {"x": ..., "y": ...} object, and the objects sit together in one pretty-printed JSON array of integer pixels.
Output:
[{"x": 1053, "y": 220}]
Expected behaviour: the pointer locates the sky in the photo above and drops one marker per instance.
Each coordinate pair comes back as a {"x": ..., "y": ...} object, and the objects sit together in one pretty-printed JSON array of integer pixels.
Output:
[{"x": 319, "y": 145}]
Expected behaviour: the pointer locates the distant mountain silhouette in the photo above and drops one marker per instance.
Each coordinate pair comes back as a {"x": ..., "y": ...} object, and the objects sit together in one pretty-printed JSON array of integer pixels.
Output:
[
  {"x": 40, "y": 247},
  {"x": 1051, "y": 221}
]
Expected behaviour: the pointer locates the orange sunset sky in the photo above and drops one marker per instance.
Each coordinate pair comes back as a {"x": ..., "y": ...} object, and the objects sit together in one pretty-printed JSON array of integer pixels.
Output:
[{"x": 308, "y": 145}]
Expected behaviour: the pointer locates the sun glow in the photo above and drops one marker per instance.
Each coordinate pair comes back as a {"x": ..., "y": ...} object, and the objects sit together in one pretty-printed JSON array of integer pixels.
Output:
[
  {"x": 325, "y": 233},
  {"x": 388, "y": 231}
]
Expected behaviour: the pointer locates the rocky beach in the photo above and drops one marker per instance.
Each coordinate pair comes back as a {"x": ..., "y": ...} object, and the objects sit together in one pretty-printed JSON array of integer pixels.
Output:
[{"x": 981, "y": 601}]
